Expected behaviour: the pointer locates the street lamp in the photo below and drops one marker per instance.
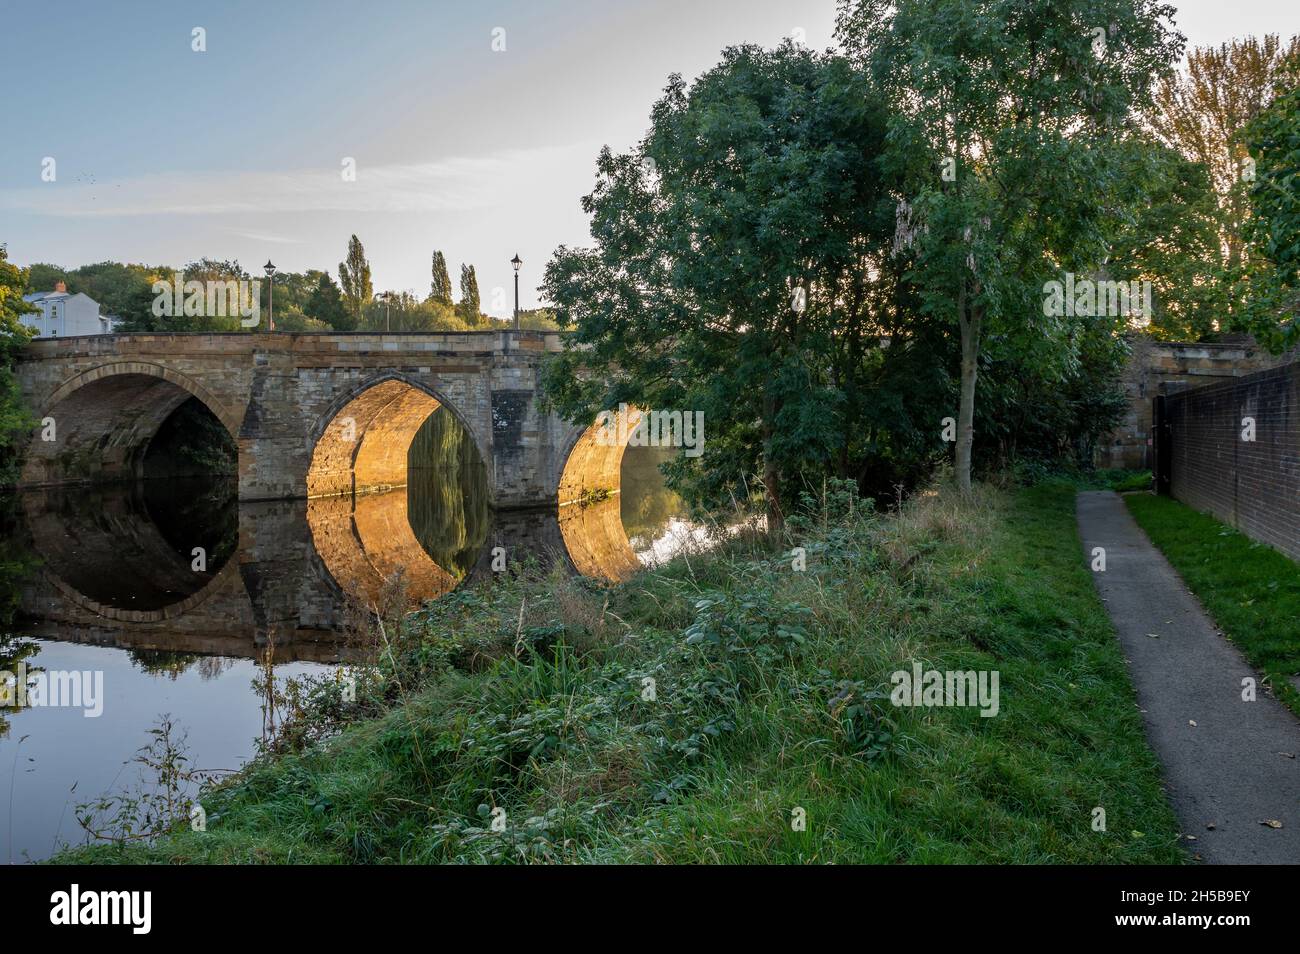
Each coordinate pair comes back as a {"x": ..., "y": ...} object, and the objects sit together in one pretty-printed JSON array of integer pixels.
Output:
[
  {"x": 516, "y": 262},
  {"x": 270, "y": 295},
  {"x": 388, "y": 300}
]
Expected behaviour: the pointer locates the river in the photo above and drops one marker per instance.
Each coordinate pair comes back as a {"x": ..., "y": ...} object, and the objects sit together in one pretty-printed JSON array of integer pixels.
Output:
[{"x": 169, "y": 599}]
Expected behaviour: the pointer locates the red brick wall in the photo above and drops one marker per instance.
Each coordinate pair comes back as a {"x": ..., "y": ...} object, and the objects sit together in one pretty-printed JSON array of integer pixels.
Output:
[{"x": 1252, "y": 485}]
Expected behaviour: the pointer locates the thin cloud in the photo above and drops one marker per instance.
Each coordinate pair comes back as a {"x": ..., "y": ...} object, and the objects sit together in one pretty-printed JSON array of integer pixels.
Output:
[{"x": 457, "y": 184}]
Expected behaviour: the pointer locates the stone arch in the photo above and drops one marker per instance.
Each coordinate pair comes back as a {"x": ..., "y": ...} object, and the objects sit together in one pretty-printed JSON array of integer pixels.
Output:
[
  {"x": 105, "y": 417},
  {"x": 76, "y": 548},
  {"x": 226, "y": 579},
  {"x": 588, "y": 495},
  {"x": 365, "y": 542},
  {"x": 361, "y": 441}
]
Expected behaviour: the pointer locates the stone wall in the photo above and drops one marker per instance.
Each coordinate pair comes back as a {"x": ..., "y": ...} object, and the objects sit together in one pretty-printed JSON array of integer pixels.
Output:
[{"x": 1165, "y": 367}]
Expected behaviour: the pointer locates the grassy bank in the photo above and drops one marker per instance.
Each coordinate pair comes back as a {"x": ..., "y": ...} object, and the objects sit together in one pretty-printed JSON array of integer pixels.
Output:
[
  {"x": 1251, "y": 590},
  {"x": 770, "y": 703}
]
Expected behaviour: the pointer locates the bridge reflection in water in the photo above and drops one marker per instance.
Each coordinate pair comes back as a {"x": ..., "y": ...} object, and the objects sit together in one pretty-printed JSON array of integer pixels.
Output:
[{"x": 118, "y": 564}]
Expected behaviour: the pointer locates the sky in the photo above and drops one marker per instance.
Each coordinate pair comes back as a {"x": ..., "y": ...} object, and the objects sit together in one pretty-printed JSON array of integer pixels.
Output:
[{"x": 164, "y": 154}]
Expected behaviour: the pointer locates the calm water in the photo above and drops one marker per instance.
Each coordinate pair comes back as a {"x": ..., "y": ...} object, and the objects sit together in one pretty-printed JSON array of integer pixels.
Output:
[{"x": 183, "y": 598}]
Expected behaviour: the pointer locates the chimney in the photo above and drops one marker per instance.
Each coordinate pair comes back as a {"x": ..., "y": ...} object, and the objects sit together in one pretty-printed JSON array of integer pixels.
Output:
[{"x": 60, "y": 286}]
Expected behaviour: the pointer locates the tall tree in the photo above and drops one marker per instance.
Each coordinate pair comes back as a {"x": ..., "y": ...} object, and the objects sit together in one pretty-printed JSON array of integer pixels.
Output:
[
  {"x": 1004, "y": 115},
  {"x": 738, "y": 272},
  {"x": 1272, "y": 286},
  {"x": 354, "y": 279},
  {"x": 469, "y": 300},
  {"x": 1202, "y": 110},
  {"x": 441, "y": 287}
]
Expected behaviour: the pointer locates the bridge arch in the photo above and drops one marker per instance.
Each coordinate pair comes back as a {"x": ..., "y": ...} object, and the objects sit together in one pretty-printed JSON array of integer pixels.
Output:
[
  {"x": 360, "y": 442},
  {"x": 367, "y": 547},
  {"x": 105, "y": 417},
  {"x": 591, "y": 522},
  {"x": 110, "y": 557}
]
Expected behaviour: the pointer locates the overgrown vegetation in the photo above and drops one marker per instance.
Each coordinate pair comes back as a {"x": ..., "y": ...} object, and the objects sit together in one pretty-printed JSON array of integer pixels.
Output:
[
  {"x": 1251, "y": 590},
  {"x": 15, "y": 419},
  {"x": 692, "y": 713}
]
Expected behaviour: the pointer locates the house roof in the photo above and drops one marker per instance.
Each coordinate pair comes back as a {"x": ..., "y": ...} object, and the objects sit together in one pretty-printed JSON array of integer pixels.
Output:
[{"x": 39, "y": 297}]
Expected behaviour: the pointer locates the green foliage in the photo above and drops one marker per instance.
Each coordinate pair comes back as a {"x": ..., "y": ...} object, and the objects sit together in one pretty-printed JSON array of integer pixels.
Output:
[
  {"x": 404, "y": 311},
  {"x": 538, "y": 319},
  {"x": 1004, "y": 126},
  {"x": 469, "y": 308},
  {"x": 191, "y": 442},
  {"x": 1168, "y": 232},
  {"x": 1204, "y": 112},
  {"x": 1274, "y": 230},
  {"x": 354, "y": 280},
  {"x": 13, "y": 284},
  {"x": 15, "y": 420},
  {"x": 512, "y": 723},
  {"x": 440, "y": 288},
  {"x": 325, "y": 304},
  {"x": 739, "y": 270}
]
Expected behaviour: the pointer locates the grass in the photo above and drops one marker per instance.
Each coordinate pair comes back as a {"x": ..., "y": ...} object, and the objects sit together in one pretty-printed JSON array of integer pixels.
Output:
[
  {"x": 769, "y": 703},
  {"x": 1251, "y": 590}
]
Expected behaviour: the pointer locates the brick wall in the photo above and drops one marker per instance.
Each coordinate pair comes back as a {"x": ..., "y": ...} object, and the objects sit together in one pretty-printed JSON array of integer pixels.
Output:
[
  {"x": 1162, "y": 367},
  {"x": 1252, "y": 485}
]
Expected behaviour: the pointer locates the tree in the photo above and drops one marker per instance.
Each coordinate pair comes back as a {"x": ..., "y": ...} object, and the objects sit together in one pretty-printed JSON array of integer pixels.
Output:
[
  {"x": 13, "y": 284},
  {"x": 42, "y": 277},
  {"x": 354, "y": 280},
  {"x": 468, "y": 309},
  {"x": 325, "y": 303},
  {"x": 1004, "y": 115},
  {"x": 404, "y": 311},
  {"x": 1202, "y": 112},
  {"x": 537, "y": 319},
  {"x": 441, "y": 288},
  {"x": 1273, "y": 281},
  {"x": 739, "y": 271},
  {"x": 1167, "y": 232},
  {"x": 15, "y": 421}
]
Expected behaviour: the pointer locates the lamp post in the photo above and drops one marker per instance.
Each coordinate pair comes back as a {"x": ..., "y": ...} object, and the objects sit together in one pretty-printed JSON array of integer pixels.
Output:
[
  {"x": 270, "y": 295},
  {"x": 388, "y": 302},
  {"x": 516, "y": 262}
]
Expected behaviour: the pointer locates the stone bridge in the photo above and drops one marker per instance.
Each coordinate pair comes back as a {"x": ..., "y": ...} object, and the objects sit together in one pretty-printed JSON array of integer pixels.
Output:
[{"x": 313, "y": 415}]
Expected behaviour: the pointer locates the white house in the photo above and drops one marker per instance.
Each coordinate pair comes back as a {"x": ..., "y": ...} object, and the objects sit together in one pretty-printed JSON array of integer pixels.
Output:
[{"x": 62, "y": 315}]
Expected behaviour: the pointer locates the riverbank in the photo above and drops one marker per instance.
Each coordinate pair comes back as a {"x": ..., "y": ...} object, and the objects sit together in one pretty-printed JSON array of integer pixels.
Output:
[{"x": 731, "y": 707}]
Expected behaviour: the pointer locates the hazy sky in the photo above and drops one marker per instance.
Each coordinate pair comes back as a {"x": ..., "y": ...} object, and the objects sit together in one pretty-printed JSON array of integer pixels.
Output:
[{"x": 166, "y": 155}]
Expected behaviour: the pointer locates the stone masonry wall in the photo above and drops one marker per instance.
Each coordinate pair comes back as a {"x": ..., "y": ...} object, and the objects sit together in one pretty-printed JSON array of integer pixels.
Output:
[
  {"x": 278, "y": 395},
  {"x": 1164, "y": 367}
]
